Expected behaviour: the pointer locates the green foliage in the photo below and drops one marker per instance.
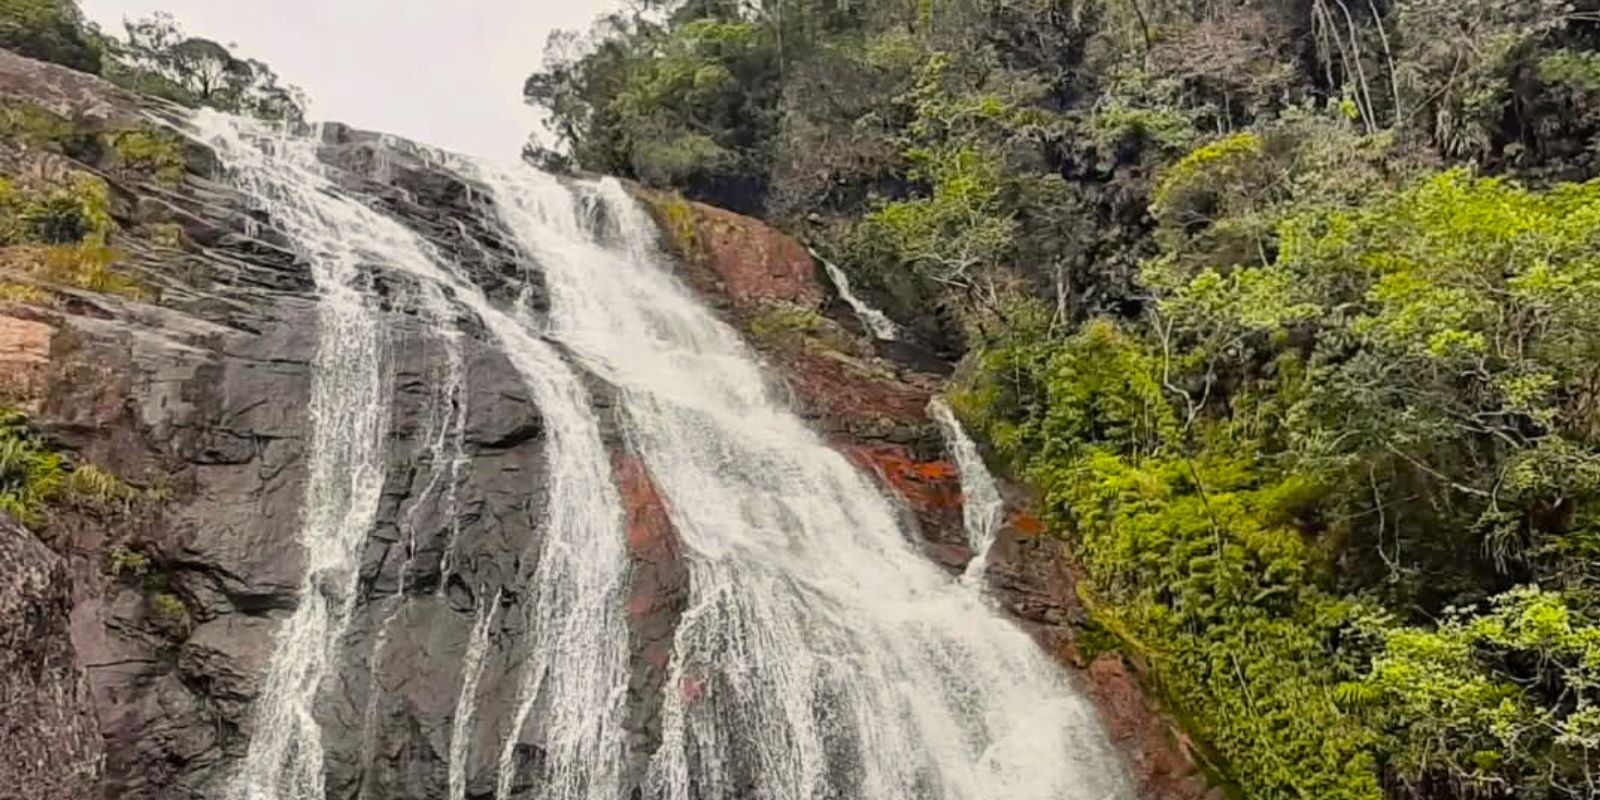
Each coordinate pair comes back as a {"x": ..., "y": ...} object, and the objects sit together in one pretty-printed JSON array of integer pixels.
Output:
[
  {"x": 34, "y": 478},
  {"x": 1501, "y": 698},
  {"x": 31, "y": 474},
  {"x": 159, "y": 59},
  {"x": 156, "y": 59},
  {"x": 49, "y": 30},
  {"x": 124, "y": 563},
  {"x": 1385, "y": 406},
  {"x": 157, "y": 155}
]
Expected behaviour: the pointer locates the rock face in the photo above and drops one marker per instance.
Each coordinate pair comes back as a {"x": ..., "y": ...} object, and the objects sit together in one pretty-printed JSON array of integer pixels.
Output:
[
  {"x": 136, "y": 641},
  {"x": 52, "y": 742},
  {"x": 200, "y": 399}
]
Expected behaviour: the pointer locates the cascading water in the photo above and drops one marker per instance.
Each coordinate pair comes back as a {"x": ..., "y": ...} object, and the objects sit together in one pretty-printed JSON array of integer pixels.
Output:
[
  {"x": 577, "y": 653},
  {"x": 877, "y": 323},
  {"x": 982, "y": 508},
  {"x": 820, "y": 656},
  {"x": 349, "y": 418},
  {"x": 466, "y": 699}
]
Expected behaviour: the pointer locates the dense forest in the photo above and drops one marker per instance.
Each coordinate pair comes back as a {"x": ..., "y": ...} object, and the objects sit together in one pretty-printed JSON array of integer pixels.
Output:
[{"x": 1289, "y": 309}]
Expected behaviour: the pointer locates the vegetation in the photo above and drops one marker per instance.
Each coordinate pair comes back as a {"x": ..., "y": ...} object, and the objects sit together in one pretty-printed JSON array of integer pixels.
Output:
[
  {"x": 154, "y": 58},
  {"x": 31, "y": 474},
  {"x": 50, "y": 30},
  {"x": 1285, "y": 306}
]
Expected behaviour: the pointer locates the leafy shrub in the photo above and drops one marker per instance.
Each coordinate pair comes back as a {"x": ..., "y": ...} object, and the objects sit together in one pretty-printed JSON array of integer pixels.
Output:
[
  {"x": 31, "y": 474},
  {"x": 149, "y": 153},
  {"x": 49, "y": 30},
  {"x": 169, "y": 614}
]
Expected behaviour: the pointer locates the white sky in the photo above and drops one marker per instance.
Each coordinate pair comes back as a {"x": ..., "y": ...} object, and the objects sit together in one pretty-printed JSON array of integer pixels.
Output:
[{"x": 445, "y": 72}]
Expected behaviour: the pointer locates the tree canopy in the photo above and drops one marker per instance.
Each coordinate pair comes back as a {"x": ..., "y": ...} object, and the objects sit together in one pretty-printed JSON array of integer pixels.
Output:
[{"x": 156, "y": 58}]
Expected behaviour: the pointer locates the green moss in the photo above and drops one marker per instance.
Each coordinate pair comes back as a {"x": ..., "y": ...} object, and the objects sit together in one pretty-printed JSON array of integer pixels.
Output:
[
  {"x": 169, "y": 614},
  {"x": 150, "y": 153},
  {"x": 681, "y": 223},
  {"x": 777, "y": 320},
  {"x": 779, "y": 324}
]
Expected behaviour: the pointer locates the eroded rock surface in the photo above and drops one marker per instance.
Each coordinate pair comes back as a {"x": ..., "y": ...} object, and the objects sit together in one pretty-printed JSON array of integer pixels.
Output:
[{"x": 52, "y": 744}]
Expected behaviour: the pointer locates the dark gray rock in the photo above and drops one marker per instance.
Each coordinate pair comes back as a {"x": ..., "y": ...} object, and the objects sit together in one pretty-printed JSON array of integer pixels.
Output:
[{"x": 47, "y": 721}]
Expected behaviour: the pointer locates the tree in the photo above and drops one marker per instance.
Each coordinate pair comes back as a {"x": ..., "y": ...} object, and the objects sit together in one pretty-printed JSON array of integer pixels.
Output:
[{"x": 159, "y": 57}]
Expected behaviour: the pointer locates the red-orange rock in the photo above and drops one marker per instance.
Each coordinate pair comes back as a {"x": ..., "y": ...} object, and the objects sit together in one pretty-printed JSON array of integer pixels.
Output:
[
  {"x": 659, "y": 577},
  {"x": 843, "y": 388},
  {"x": 736, "y": 257},
  {"x": 24, "y": 359}
]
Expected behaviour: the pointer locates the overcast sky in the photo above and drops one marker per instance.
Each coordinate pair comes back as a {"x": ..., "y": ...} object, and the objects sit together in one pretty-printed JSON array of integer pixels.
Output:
[{"x": 445, "y": 72}]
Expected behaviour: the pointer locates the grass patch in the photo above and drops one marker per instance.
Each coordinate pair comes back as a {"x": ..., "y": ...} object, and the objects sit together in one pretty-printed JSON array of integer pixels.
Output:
[{"x": 25, "y": 293}]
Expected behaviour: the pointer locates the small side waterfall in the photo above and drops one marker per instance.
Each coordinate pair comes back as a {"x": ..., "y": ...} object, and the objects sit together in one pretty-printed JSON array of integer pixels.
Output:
[
  {"x": 982, "y": 508},
  {"x": 467, "y": 698},
  {"x": 877, "y": 323}
]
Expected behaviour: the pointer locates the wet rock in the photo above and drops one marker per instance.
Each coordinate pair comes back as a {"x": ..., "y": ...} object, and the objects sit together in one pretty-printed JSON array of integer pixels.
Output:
[{"x": 657, "y": 598}]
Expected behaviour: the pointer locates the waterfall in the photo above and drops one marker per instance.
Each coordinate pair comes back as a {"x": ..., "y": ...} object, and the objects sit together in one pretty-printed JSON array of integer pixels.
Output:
[
  {"x": 982, "y": 508},
  {"x": 349, "y": 419},
  {"x": 821, "y": 656},
  {"x": 876, "y": 322},
  {"x": 576, "y": 657}
]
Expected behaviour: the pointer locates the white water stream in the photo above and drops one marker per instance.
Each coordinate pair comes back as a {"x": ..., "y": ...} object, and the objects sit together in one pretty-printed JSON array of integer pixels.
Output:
[
  {"x": 982, "y": 507},
  {"x": 877, "y": 323},
  {"x": 348, "y": 421},
  {"x": 821, "y": 655},
  {"x": 576, "y": 663}
]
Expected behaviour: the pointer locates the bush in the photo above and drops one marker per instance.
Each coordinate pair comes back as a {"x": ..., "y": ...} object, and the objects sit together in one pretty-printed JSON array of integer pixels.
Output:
[
  {"x": 49, "y": 30},
  {"x": 31, "y": 474}
]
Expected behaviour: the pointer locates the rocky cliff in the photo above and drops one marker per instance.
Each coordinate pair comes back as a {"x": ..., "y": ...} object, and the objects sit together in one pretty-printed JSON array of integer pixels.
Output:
[{"x": 137, "y": 629}]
